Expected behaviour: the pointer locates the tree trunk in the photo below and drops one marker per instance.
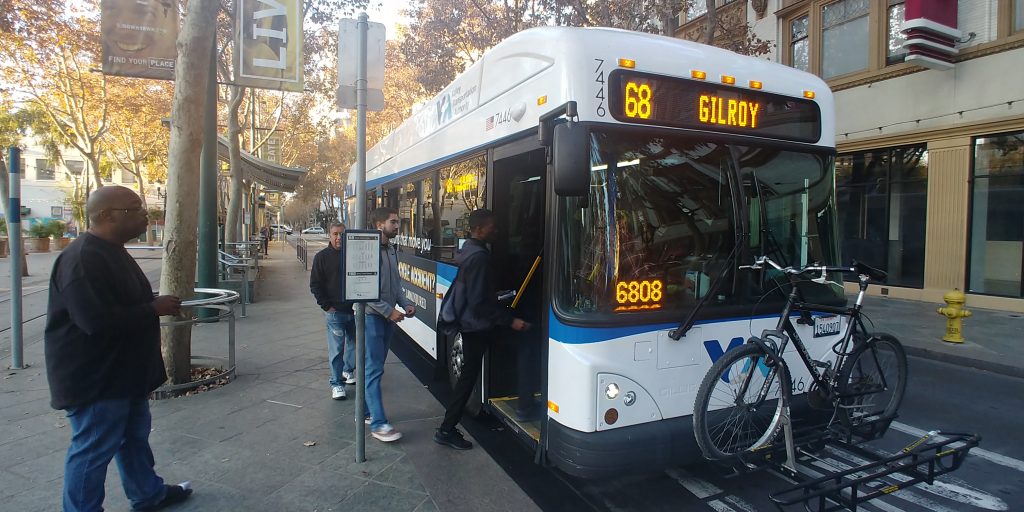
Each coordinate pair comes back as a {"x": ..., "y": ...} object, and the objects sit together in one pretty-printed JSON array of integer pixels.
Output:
[
  {"x": 192, "y": 70},
  {"x": 231, "y": 227},
  {"x": 94, "y": 164},
  {"x": 712, "y": 22}
]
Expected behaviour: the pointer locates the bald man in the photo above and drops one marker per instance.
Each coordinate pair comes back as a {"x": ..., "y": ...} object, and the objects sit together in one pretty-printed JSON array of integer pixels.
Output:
[{"x": 102, "y": 347}]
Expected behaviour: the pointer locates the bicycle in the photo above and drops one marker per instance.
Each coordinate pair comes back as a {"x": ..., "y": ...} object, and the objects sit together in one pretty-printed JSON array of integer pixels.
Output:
[{"x": 747, "y": 394}]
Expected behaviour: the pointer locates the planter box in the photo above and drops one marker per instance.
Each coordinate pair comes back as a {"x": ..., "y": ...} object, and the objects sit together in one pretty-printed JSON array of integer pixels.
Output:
[
  {"x": 37, "y": 244},
  {"x": 3, "y": 247},
  {"x": 62, "y": 242}
]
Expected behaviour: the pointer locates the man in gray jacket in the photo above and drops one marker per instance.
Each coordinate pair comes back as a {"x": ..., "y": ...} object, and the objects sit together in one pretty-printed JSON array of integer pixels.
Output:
[{"x": 381, "y": 317}]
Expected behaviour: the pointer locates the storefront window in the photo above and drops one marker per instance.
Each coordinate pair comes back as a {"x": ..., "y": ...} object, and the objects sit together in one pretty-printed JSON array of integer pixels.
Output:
[
  {"x": 882, "y": 203},
  {"x": 997, "y": 228},
  {"x": 1018, "y": 15}
]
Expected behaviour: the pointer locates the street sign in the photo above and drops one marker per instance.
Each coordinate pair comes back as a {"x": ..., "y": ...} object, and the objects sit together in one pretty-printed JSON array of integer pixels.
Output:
[
  {"x": 348, "y": 60},
  {"x": 361, "y": 265}
]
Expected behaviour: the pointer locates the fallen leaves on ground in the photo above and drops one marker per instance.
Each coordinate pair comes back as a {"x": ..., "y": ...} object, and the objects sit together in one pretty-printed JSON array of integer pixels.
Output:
[{"x": 309, "y": 443}]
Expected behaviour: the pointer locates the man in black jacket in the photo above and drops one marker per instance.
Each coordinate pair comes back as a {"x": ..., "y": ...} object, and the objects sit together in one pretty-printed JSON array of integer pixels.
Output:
[
  {"x": 475, "y": 301},
  {"x": 102, "y": 345},
  {"x": 325, "y": 283}
]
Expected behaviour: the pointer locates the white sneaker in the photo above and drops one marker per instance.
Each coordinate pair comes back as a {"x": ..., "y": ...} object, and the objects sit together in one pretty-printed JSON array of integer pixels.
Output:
[
  {"x": 350, "y": 378},
  {"x": 386, "y": 433},
  {"x": 338, "y": 392}
]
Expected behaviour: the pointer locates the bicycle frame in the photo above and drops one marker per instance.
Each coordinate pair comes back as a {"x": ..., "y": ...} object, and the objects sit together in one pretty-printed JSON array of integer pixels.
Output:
[{"x": 784, "y": 331}]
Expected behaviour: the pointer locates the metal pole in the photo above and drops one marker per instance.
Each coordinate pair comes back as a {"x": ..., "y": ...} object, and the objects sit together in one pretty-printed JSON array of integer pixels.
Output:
[
  {"x": 207, "y": 263},
  {"x": 363, "y": 27},
  {"x": 17, "y": 252}
]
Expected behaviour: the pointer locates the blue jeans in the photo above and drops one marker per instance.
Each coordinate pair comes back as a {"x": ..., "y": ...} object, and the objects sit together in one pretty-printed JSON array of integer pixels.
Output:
[
  {"x": 378, "y": 336},
  {"x": 341, "y": 330},
  {"x": 110, "y": 429}
]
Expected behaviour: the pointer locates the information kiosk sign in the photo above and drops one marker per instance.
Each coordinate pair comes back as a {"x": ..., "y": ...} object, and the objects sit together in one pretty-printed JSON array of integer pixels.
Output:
[{"x": 361, "y": 264}]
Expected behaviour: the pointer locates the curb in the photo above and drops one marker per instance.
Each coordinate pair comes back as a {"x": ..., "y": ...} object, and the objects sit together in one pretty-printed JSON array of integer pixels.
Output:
[{"x": 990, "y": 366}]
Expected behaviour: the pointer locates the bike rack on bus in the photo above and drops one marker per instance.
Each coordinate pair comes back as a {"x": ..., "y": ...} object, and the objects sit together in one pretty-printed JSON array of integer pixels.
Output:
[{"x": 925, "y": 459}]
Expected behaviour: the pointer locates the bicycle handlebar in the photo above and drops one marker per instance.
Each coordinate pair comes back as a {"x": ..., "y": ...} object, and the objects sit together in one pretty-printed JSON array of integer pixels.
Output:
[{"x": 761, "y": 261}]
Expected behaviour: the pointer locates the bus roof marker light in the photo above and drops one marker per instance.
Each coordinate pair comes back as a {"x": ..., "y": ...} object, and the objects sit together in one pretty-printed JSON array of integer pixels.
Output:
[
  {"x": 627, "y": 63},
  {"x": 809, "y": 95},
  {"x": 542, "y": 100},
  {"x": 728, "y": 80},
  {"x": 756, "y": 84},
  {"x": 553, "y": 406},
  {"x": 698, "y": 74}
]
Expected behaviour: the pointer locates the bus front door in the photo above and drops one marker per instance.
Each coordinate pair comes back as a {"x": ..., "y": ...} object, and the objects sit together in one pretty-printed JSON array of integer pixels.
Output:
[{"x": 515, "y": 373}]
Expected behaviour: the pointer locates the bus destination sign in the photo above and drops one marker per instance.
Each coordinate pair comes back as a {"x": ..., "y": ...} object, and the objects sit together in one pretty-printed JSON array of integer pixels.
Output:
[{"x": 683, "y": 103}]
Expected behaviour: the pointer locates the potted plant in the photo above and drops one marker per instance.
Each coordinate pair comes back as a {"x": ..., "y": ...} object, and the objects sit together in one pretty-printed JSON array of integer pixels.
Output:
[
  {"x": 38, "y": 239},
  {"x": 57, "y": 230}
]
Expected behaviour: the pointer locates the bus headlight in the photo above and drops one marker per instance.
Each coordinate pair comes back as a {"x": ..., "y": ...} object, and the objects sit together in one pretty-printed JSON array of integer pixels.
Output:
[
  {"x": 629, "y": 398},
  {"x": 611, "y": 391}
]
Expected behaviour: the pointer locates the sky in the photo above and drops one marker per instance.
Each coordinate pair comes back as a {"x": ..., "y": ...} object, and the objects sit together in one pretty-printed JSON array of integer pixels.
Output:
[{"x": 387, "y": 12}]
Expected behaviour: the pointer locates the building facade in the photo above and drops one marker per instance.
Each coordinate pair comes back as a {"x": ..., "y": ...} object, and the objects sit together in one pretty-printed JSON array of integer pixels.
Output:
[
  {"x": 930, "y": 133},
  {"x": 47, "y": 186}
]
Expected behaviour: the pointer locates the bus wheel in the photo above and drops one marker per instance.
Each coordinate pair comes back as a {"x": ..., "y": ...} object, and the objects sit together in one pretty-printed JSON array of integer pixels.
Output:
[{"x": 455, "y": 362}]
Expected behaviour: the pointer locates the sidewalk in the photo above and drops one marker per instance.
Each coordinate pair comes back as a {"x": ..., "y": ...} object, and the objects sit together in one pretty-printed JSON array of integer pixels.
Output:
[
  {"x": 243, "y": 446},
  {"x": 995, "y": 339}
]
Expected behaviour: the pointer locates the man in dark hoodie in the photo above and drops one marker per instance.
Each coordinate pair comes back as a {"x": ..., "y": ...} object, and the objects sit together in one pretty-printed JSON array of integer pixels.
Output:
[
  {"x": 102, "y": 345},
  {"x": 325, "y": 284},
  {"x": 478, "y": 313}
]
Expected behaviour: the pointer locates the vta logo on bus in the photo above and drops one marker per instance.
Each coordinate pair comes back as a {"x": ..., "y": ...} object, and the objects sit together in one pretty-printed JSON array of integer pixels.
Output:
[{"x": 714, "y": 349}]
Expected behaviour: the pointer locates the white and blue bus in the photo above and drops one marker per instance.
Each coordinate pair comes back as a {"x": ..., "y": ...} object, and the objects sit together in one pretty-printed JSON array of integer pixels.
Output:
[{"x": 631, "y": 175}]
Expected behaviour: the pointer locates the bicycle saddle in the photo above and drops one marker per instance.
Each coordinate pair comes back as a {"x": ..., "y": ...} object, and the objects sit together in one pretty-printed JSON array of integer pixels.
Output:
[{"x": 873, "y": 273}]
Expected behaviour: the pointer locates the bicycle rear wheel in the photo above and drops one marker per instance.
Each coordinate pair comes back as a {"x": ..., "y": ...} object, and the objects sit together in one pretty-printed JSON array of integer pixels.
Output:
[
  {"x": 739, "y": 404},
  {"x": 872, "y": 380}
]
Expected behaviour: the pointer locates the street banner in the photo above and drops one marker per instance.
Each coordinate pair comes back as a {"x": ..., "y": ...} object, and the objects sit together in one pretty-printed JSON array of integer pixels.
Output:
[
  {"x": 269, "y": 42},
  {"x": 138, "y": 37}
]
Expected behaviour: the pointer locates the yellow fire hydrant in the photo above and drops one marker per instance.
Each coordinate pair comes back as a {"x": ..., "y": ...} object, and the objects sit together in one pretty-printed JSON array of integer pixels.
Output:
[{"x": 954, "y": 312}]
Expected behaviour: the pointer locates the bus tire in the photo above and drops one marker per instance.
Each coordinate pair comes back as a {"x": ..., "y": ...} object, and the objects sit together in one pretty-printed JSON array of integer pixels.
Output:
[{"x": 454, "y": 362}]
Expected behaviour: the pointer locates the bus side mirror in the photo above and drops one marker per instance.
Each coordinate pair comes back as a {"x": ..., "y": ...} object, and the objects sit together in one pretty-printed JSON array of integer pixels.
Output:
[{"x": 571, "y": 160}]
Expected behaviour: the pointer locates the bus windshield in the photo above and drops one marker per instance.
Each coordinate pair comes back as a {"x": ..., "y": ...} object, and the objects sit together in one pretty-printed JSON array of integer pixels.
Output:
[{"x": 664, "y": 214}]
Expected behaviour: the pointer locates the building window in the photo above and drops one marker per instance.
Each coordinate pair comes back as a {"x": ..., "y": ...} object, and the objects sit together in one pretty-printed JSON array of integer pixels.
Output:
[
  {"x": 696, "y": 9},
  {"x": 24, "y": 168},
  {"x": 74, "y": 167},
  {"x": 895, "y": 53},
  {"x": 882, "y": 203},
  {"x": 844, "y": 37},
  {"x": 997, "y": 233},
  {"x": 127, "y": 177},
  {"x": 799, "y": 48},
  {"x": 44, "y": 169},
  {"x": 1018, "y": 16}
]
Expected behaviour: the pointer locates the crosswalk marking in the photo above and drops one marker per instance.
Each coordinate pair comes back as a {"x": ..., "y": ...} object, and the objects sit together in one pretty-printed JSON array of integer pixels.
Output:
[{"x": 698, "y": 487}]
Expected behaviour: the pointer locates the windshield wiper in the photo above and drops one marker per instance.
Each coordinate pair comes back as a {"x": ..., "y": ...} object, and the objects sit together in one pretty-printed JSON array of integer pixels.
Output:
[{"x": 730, "y": 261}]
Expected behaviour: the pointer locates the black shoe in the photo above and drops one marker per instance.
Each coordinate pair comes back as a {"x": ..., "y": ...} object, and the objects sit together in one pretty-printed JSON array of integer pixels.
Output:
[
  {"x": 453, "y": 439},
  {"x": 175, "y": 494}
]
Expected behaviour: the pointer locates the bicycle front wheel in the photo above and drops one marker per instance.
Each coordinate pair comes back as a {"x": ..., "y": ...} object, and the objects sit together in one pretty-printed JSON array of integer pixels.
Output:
[
  {"x": 872, "y": 381},
  {"x": 739, "y": 405}
]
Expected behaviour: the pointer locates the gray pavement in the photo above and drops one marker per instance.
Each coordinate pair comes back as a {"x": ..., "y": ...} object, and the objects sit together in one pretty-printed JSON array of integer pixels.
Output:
[
  {"x": 244, "y": 445},
  {"x": 994, "y": 339}
]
